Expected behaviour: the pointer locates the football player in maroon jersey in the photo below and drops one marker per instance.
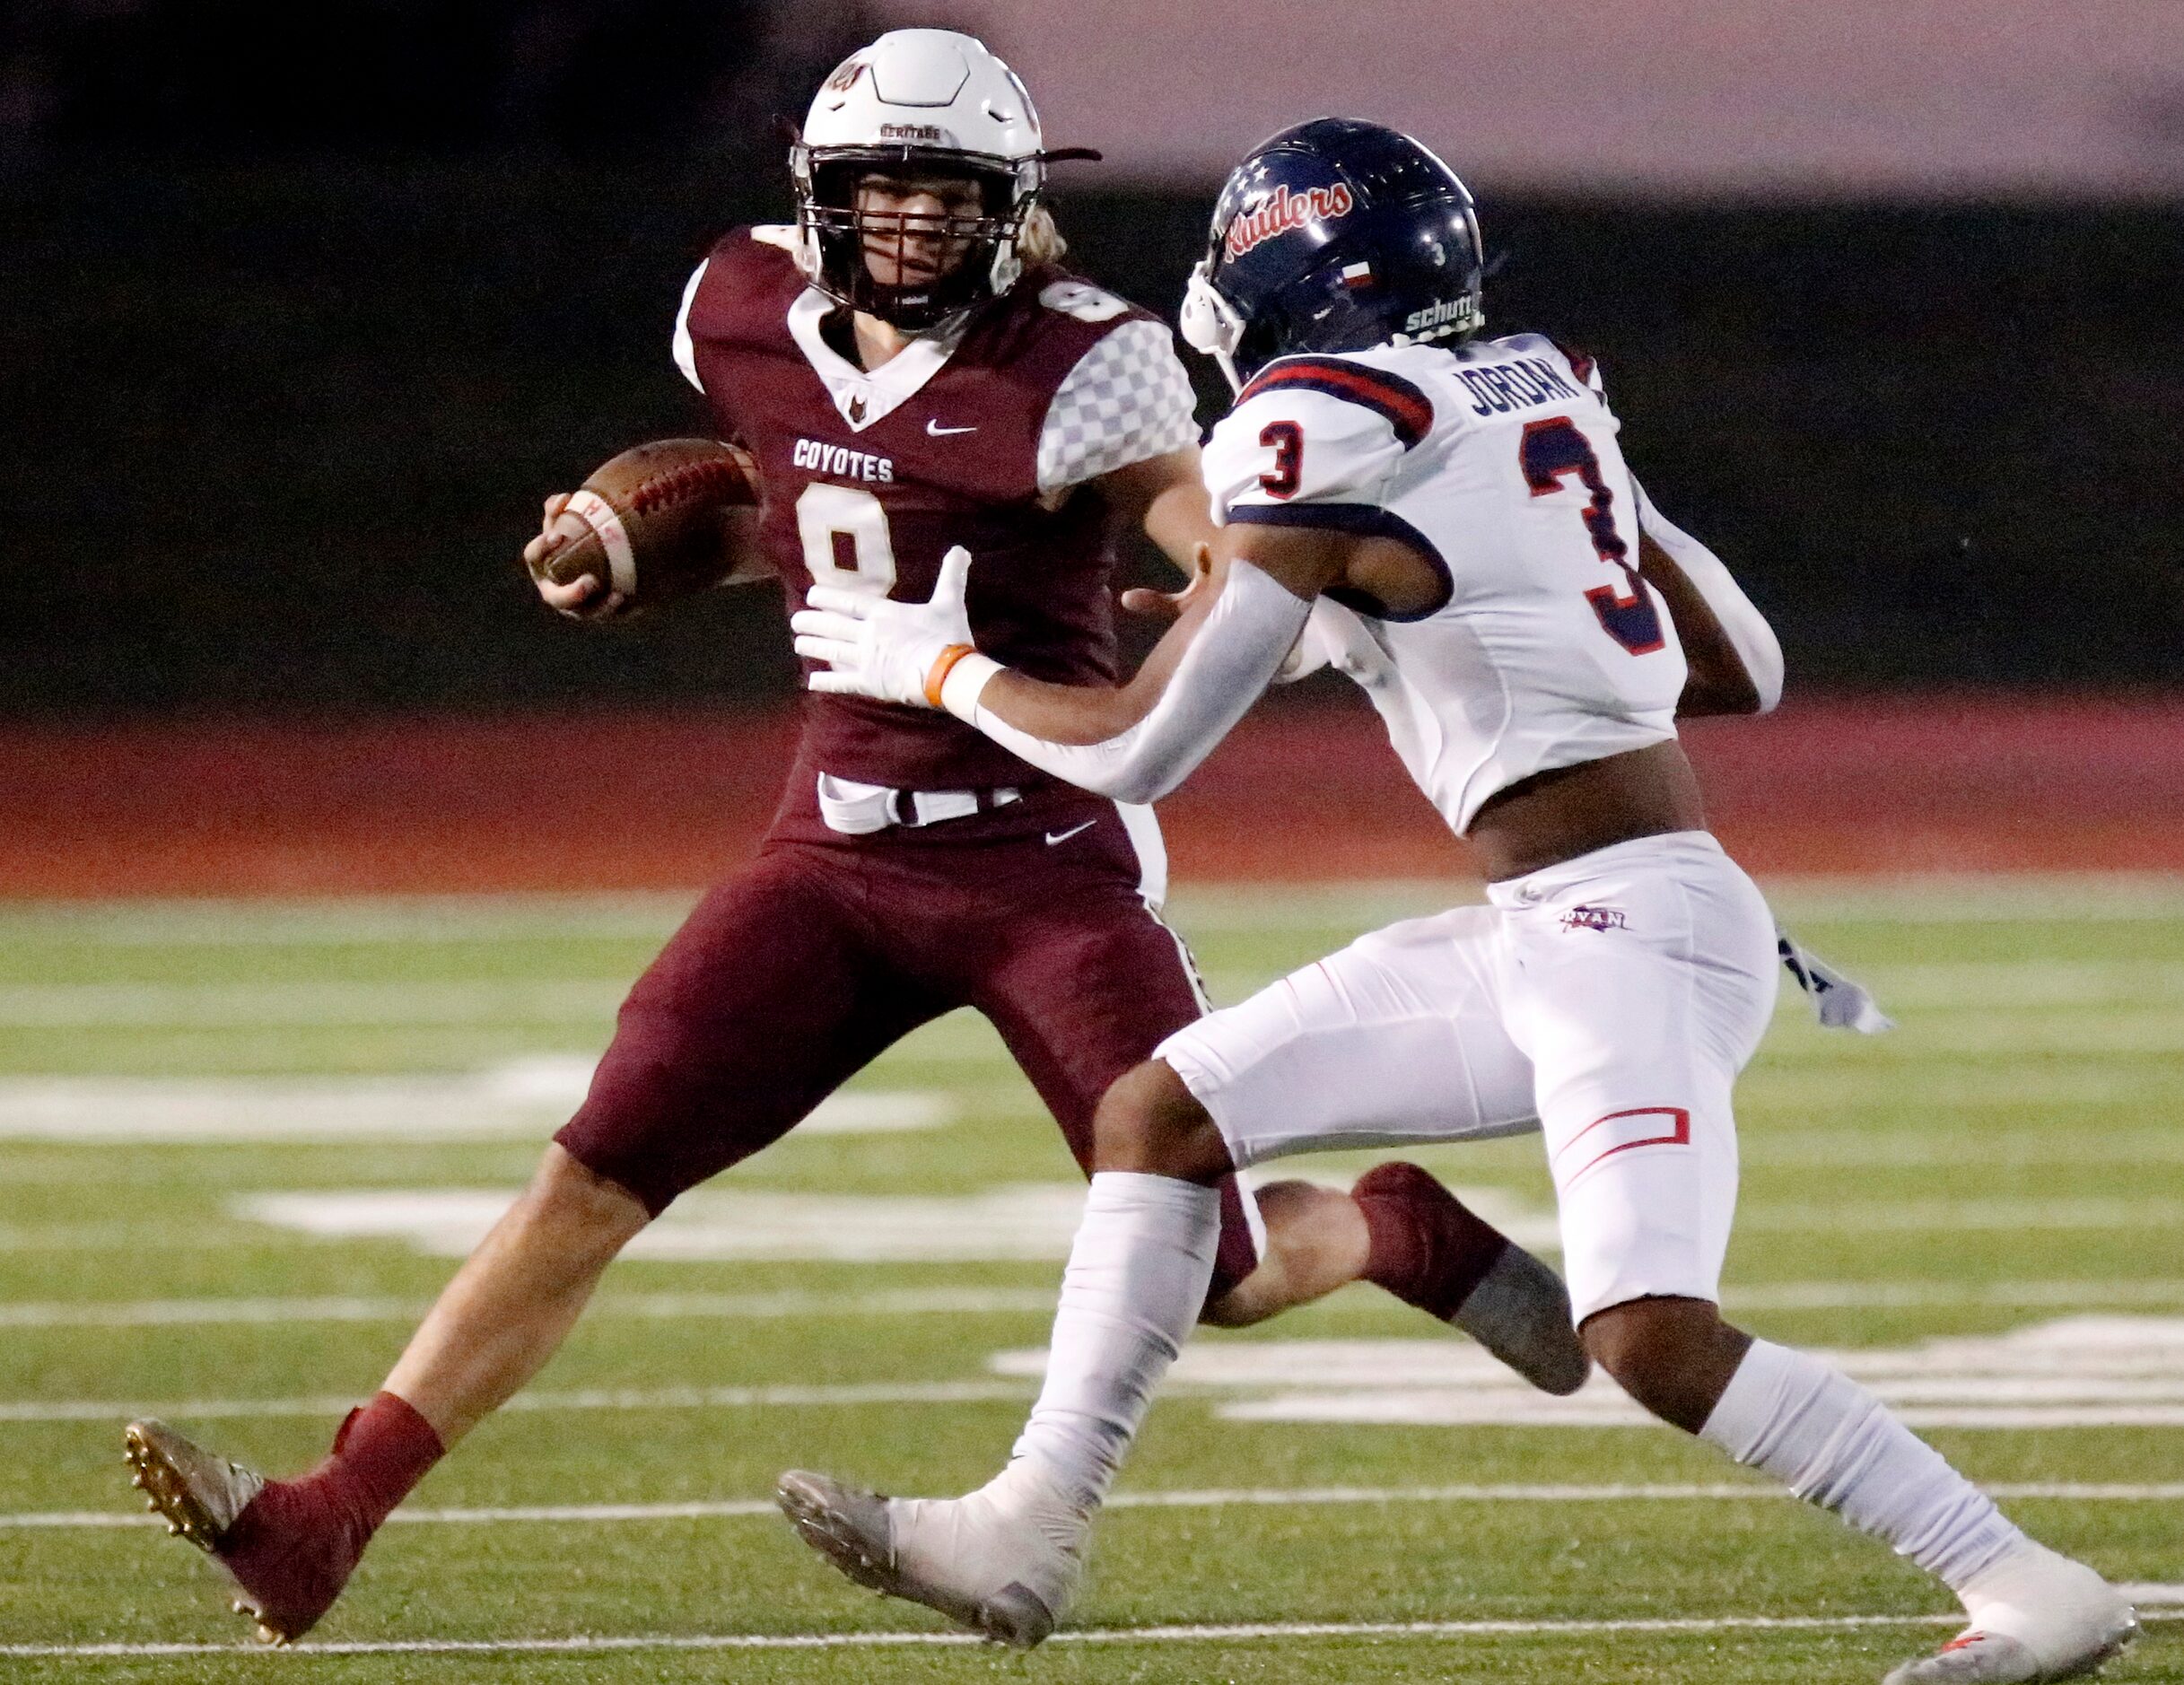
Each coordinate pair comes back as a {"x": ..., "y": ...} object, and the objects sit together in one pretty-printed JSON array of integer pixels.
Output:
[{"x": 914, "y": 376}]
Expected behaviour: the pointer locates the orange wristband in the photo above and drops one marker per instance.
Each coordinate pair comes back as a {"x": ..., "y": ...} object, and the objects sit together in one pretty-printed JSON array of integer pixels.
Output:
[{"x": 943, "y": 665}]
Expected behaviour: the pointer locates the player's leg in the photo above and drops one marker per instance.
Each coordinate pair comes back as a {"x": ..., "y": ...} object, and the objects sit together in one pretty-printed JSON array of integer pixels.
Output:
[
  {"x": 762, "y": 1003},
  {"x": 1394, "y": 1040},
  {"x": 1637, "y": 1031},
  {"x": 1082, "y": 979},
  {"x": 516, "y": 1297},
  {"x": 1086, "y": 983}
]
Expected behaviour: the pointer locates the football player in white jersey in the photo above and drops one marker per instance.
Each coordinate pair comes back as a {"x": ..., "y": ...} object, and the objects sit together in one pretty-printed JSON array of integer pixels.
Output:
[{"x": 1449, "y": 520}]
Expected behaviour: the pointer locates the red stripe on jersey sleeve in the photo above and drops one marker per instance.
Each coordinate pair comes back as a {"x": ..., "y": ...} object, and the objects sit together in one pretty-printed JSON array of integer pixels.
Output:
[{"x": 1408, "y": 409}]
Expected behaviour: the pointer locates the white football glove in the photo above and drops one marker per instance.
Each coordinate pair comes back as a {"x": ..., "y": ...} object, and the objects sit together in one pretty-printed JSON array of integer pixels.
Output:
[
  {"x": 876, "y": 647},
  {"x": 1839, "y": 1003}
]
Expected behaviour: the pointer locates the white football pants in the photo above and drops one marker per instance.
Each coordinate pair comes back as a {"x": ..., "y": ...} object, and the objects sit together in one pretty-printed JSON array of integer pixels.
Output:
[{"x": 1609, "y": 1001}]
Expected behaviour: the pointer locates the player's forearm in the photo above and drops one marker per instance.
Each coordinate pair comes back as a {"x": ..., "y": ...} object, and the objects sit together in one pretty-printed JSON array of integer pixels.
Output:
[
  {"x": 1715, "y": 681},
  {"x": 1715, "y": 615},
  {"x": 1179, "y": 522},
  {"x": 1138, "y": 742},
  {"x": 1166, "y": 499},
  {"x": 1080, "y": 715}
]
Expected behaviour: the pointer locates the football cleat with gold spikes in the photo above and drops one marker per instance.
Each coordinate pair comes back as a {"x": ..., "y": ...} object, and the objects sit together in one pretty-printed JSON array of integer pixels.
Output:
[{"x": 201, "y": 1495}]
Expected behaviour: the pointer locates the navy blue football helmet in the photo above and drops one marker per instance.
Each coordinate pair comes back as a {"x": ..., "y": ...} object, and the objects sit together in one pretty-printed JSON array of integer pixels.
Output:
[{"x": 1334, "y": 235}]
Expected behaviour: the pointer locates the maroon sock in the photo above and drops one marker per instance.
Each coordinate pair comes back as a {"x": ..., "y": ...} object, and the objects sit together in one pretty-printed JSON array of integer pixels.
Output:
[
  {"x": 1422, "y": 1245},
  {"x": 383, "y": 1450},
  {"x": 295, "y": 1545}
]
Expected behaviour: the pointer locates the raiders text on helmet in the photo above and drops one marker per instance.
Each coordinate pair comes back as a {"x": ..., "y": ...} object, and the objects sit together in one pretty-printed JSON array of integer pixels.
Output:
[
  {"x": 917, "y": 103},
  {"x": 1335, "y": 235}
]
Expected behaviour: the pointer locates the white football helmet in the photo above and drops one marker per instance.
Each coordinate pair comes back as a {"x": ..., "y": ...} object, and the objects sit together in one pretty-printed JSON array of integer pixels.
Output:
[{"x": 921, "y": 102}]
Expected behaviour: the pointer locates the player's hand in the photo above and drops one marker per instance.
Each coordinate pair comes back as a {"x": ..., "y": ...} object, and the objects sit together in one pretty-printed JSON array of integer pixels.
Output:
[
  {"x": 1167, "y": 605},
  {"x": 878, "y": 648},
  {"x": 579, "y": 599}
]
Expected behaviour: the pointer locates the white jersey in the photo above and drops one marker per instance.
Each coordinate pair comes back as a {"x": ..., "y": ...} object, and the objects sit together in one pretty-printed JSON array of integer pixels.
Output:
[{"x": 1497, "y": 460}]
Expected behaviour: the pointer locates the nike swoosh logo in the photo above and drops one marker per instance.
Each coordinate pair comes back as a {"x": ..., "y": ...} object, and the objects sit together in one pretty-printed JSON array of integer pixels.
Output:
[
  {"x": 937, "y": 430},
  {"x": 1053, "y": 837}
]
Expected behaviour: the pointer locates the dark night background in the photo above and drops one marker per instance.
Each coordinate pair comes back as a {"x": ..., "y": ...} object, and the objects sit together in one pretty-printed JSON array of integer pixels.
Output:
[{"x": 303, "y": 310}]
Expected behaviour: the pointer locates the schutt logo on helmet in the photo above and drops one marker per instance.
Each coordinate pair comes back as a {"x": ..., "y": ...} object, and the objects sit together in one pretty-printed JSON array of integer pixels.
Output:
[{"x": 1286, "y": 211}]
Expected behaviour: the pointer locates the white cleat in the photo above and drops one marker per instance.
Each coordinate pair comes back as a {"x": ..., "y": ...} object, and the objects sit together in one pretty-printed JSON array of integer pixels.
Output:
[
  {"x": 2036, "y": 1616},
  {"x": 1005, "y": 1561}
]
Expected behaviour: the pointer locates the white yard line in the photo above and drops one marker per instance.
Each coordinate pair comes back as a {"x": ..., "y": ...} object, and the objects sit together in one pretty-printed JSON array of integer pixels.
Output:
[
  {"x": 1778, "y": 1149},
  {"x": 586, "y": 1399},
  {"x": 348, "y": 1005},
  {"x": 1892, "y": 1216},
  {"x": 520, "y": 1099},
  {"x": 1865, "y": 1296},
  {"x": 1242, "y": 1632},
  {"x": 1983, "y": 1085},
  {"x": 755, "y": 1306},
  {"x": 1019, "y": 1222},
  {"x": 1772, "y": 1295},
  {"x": 2005, "y": 983},
  {"x": 1217, "y": 1497},
  {"x": 131, "y": 1237},
  {"x": 1037, "y": 1220},
  {"x": 2028, "y": 1034}
]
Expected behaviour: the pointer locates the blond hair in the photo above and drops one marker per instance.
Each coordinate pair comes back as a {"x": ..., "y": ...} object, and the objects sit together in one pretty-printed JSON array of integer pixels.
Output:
[{"x": 1039, "y": 240}]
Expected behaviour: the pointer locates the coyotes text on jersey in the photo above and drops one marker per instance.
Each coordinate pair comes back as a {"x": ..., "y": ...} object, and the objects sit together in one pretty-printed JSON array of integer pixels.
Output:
[{"x": 975, "y": 436}]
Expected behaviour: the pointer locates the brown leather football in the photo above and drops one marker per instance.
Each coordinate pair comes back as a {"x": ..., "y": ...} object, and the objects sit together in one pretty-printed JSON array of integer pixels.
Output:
[{"x": 654, "y": 522}]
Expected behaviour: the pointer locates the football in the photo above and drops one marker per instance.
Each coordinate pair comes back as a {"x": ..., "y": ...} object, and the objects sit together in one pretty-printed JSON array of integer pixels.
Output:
[{"x": 656, "y": 523}]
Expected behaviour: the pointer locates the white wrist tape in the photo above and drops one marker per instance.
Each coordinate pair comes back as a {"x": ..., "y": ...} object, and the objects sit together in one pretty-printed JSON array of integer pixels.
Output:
[
  {"x": 1745, "y": 627},
  {"x": 959, "y": 691},
  {"x": 1231, "y": 660}
]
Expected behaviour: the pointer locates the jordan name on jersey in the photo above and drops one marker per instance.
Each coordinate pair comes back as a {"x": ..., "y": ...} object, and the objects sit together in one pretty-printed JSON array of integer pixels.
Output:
[{"x": 1498, "y": 462}]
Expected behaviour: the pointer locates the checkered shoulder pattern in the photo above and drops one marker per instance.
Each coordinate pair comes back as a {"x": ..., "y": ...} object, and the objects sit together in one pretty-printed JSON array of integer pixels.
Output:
[{"x": 1127, "y": 399}]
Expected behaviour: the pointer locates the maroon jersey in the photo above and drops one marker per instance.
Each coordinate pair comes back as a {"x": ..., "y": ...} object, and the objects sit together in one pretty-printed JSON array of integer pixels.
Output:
[{"x": 976, "y": 439}]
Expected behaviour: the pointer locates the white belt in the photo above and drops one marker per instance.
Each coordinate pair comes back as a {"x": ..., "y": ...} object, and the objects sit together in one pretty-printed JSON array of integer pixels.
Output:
[{"x": 855, "y": 809}]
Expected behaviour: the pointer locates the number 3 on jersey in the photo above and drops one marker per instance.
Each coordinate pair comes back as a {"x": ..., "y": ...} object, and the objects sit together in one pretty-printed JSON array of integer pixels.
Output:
[
  {"x": 846, "y": 537},
  {"x": 1552, "y": 448}
]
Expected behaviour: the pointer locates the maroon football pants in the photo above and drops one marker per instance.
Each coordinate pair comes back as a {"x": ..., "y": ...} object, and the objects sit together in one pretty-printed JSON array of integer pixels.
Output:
[{"x": 791, "y": 977}]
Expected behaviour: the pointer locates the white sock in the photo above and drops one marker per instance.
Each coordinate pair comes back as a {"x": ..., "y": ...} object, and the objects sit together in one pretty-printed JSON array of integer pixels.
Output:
[
  {"x": 1137, "y": 1277},
  {"x": 1834, "y": 1444}
]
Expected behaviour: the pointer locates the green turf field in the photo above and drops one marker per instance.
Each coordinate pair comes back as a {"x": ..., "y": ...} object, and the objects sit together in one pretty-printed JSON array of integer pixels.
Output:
[{"x": 240, "y": 1147}]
